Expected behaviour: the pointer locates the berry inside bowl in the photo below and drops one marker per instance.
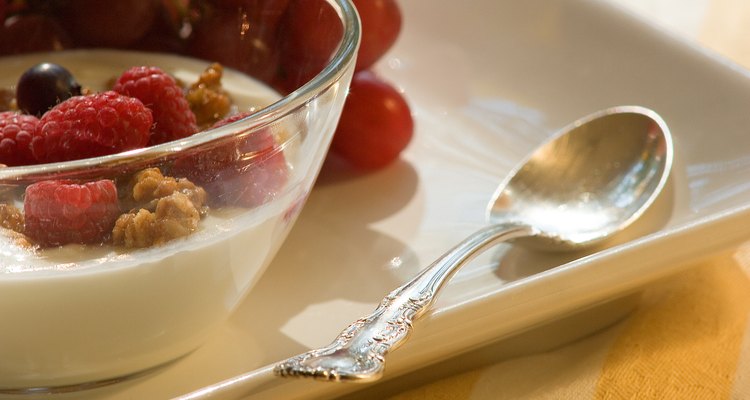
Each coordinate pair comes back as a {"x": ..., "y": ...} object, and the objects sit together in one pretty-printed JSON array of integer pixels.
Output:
[{"x": 152, "y": 173}]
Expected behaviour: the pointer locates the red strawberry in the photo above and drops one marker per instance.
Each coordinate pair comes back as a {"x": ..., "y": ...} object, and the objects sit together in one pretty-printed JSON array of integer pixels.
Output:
[
  {"x": 246, "y": 173},
  {"x": 59, "y": 212},
  {"x": 16, "y": 131},
  {"x": 158, "y": 91},
  {"x": 90, "y": 126}
]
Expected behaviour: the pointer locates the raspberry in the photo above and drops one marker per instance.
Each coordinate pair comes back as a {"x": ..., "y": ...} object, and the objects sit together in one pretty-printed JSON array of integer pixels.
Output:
[
  {"x": 59, "y": 212},
  {"x": 16, "y": 131},
  {"x": 91, "y": 126},
  {"x": 159, "y": 92},
  {"x": 246, "y": 173}
]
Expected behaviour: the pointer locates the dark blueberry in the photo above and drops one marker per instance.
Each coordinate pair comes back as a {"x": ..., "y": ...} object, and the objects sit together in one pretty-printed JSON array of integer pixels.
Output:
[{"x": 42, "y": 86}]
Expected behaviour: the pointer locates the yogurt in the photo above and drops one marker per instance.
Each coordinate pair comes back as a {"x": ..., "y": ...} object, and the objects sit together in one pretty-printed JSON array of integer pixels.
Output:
[{"x": 82, "y": 313}]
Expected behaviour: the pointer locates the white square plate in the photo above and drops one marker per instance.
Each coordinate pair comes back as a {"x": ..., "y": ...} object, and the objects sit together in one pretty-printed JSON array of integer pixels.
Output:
[{"x": 488, "y": 80}]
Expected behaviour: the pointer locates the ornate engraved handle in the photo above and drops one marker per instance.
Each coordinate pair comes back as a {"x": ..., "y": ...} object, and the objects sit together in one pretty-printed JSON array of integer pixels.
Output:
[{"x": 358, "y": 352}]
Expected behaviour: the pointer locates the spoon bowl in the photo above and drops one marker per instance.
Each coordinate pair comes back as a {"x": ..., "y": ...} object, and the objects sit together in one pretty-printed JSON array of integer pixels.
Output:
[{"x": 589, "y": 182}]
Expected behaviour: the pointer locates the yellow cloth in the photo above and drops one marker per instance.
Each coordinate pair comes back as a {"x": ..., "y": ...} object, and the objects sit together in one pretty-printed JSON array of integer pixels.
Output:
[{"x": 688, "y": 339}]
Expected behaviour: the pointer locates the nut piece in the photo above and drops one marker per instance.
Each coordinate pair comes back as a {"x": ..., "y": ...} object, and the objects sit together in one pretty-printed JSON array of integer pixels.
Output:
[
  {"x": 207, "y": 98},
  {"x": 135, "y": 230},
  {"x": 175, "y": 217},
  {"x": 11, "y": 225},
  {"x": 166, "y": 208},
  {"x": 11, "y": 218},
  {"x": 150, "y": 184}
]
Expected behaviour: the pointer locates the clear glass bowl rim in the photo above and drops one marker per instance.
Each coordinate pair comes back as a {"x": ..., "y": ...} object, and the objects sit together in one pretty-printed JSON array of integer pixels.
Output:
[{"x": 344, "y": 57}]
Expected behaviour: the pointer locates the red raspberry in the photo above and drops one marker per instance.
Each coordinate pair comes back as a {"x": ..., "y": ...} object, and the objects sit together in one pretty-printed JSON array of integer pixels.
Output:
[
  {"x": 59, "y": 212},
  {"x": 245, "y": 173},
  {"x": 16, "y": 131},
  {"x": 159, "y": 92},
  {"x": 91, "y": 126}
]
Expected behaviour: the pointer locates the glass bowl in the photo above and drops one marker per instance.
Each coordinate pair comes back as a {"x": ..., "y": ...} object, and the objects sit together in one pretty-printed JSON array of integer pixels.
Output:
[{"x": 181, "y": 229}]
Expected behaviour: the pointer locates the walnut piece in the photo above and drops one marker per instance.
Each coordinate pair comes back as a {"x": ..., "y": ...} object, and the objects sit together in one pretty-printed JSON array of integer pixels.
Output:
[
  {"x": 11, "y": 225},
  {"x": 150, "y": 184},
  {"x": 176, "y": 216},
  {"x": 17, "y": 238},
  {"x": 166, "y": 208},
  {"x": 11, "y": 218},
  {"x": 207, "y": 98},
  {"x": 135, "y": 229}
]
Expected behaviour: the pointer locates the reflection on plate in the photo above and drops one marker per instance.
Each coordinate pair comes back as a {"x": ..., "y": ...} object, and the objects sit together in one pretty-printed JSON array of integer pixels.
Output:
[{"x": 487, "y": 84}]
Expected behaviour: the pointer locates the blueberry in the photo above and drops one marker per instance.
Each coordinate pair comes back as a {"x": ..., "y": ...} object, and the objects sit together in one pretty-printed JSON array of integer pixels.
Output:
[{"x": 42, "y": 86}]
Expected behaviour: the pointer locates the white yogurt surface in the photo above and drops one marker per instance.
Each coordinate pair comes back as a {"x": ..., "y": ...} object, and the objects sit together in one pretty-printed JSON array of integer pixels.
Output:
[{"x": 85, "y": 313}]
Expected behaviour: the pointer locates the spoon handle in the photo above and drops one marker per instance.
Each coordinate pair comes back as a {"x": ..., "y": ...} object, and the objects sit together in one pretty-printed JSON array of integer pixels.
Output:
[{"x": 358, "y": 352}]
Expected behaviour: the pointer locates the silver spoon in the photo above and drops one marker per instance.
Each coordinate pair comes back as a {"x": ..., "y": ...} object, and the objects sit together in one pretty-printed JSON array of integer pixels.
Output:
[{"x": 587, "y": 183}]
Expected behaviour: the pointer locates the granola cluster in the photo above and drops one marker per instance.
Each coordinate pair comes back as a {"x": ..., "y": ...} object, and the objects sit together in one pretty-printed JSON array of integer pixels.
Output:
[
  {"x": 150, "y": 185},
  {"x": 169, "y": 209},
  {"x": 207, "y": 98},
  {"x": 11, "y": 223},
  {"x": 11, "y": 217}
]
